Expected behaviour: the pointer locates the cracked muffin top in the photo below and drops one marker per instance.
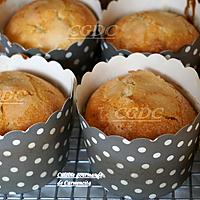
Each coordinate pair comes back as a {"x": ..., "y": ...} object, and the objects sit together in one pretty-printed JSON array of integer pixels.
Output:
[
  {"x": 50, "y": 24},
  {"x": 152, "y": 31},
  {"x": 25, "y": 100},
  {"x": 138, "y": 105}
]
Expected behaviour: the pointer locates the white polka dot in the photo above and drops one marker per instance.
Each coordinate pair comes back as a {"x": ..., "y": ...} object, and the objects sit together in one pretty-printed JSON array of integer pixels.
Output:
[
  {"x": 125, "y": 141},
  {"x": 180, "y": 144},
  {"x": 181, "y": 158},
  {"x": 1, "y": 137},
  {"x": 47, "y": 56},
  {"x": 116, "y": 148},
  {"x": 92, "y": 159},
  {"x": 98, "y": 158},
  {"x": 134, "y": 175},
  {"x": 127, "y": 197},
  {"x": 168, "y": 56},
  {"x": 187, "y": 49},
  {"x": 156, "y": 155},
  {"x": 29, "y": 173},
  {"x": 197, "y": 126},
  {"x": 84, "y": 124},
  {"x": 66, "y": 113},
  {"x": 55, "y": 173},
  {"x": 62, "y": 129},
  {"x": 31, "y": 145},
  {"x": 92, "y": 54},
  {"x": 40, "y": 131},
  {"x": 5, "y": 179},
  {"x": 69, "y": 126},
  {"x": 50, "y": 161},
  {"x": 190, "y": 156},
  {"x": 195, "y": 52},
  {"x": 142, "y": 150},
  {"x": 43, "y": 174},
  {"x": 88, "y": 142},
  {"x": 110, "y": 171},
  {"x": 114, "y": 187},
  {"x": 86, "y": 49},
  {"x": 182, "y": 172},
  {"x": 124, "y": 182},
  {"x": 187, "y": 65},
  {"x": 35, "y": 187},
  {"x": 80, "y": 43},
  {"x": 16, "y": 142},
  {"x": 167, "y": 142},
  {"x": 59, "y": 115},
  {"x": 68, "y": 55},
  {"x": 189, "y": 128},
  {"x": 162, "y": 185},
  {"x": 152, "y": 196},
  {"x": 105, "y": 45},
  {"x": 130, "y": 158},
  {"x": 37, "y": 160},
  {"x": 196, "y": 140},
  {"x": 57, "y": 145},
  {"x": 138, "y": 191},
  {"x": 120, "y": 166},
  {"x": 20, "y": 184},
  {"x": 106, "y": 154},
  {"x": 102, "y": 136},
  {"x": 14, "y": 169},
  {"x": 172, "y": 172},
  {"x": 45, "y": 146},
  {"x": 60, "y": 158},
  {"x": 76, "y": 62},
  {"x": 7, "y": 153},
  {"x": 53, "y": 130},
  {"x": 149, "y": 182},
  {"x": 1, "y": 163},
  {"x": 23, "y": 158},
  {"x": 7, "y": 50},
  {"x": 160, "y": 171},
  {"x": 94, "y": 140},
  {"x": 174, "y": 185},
  {"x": 145, "y": 166},
  {"x": 65, "y": 143},
  {"x": 170, "y": 158},
  {"x": 189, "y": 143}
]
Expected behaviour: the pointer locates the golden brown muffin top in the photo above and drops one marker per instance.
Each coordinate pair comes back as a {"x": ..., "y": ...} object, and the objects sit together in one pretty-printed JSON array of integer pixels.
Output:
[
  {"x": 50, "y": 24},
  {"x": 138, "y": 105},
  {"x": 152, "y": 31},
  {"x": 25, "y": 100}
]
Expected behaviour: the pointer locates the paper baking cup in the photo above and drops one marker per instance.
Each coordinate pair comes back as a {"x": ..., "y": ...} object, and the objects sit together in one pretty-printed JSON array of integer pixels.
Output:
[
  {"x": 79, "y": 57},
  {"x": 189, "y": 54},
  {"x": 141, "y": 168},
  {"x": 32, "y": 158}
]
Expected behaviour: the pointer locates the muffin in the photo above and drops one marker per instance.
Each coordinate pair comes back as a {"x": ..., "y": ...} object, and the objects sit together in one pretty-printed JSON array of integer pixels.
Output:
[
  {"x": 50, "y": 24},
  {"x": 25, "y": 100},
  {"x": 152, "y": 31},
  {"x": 138, "y": 105}
]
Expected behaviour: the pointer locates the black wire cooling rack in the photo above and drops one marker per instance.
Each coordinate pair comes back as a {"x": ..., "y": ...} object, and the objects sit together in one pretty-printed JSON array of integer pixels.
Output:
[{"x": 78, "y": 162}]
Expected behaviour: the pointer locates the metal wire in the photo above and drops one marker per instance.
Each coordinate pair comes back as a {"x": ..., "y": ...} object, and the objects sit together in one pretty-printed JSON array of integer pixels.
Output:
[{"x": 78, "y": 162}]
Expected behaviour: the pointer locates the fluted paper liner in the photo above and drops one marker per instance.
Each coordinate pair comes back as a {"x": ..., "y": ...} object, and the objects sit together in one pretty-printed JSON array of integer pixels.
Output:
[
  {"x": 141, "y": 168},
  {"x": 32, "y": 158},
  {"x": 189, "y": 54}
]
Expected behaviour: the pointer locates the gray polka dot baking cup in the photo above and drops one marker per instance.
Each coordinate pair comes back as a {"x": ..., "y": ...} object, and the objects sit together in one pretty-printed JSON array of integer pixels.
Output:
[
  {"x": 141, "y": 168},
  {"x": 189, "y": 54},
  {"x": 79, "y": 57},
  {"x": 32, "y": 158}
]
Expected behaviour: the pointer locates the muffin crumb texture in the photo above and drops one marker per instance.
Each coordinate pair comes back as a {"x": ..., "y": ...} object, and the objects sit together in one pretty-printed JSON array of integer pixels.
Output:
[
  {"x": 152, "y": 31},
  {"x": 139, "y": 105},
  {"x": 25, "y": 100}
]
